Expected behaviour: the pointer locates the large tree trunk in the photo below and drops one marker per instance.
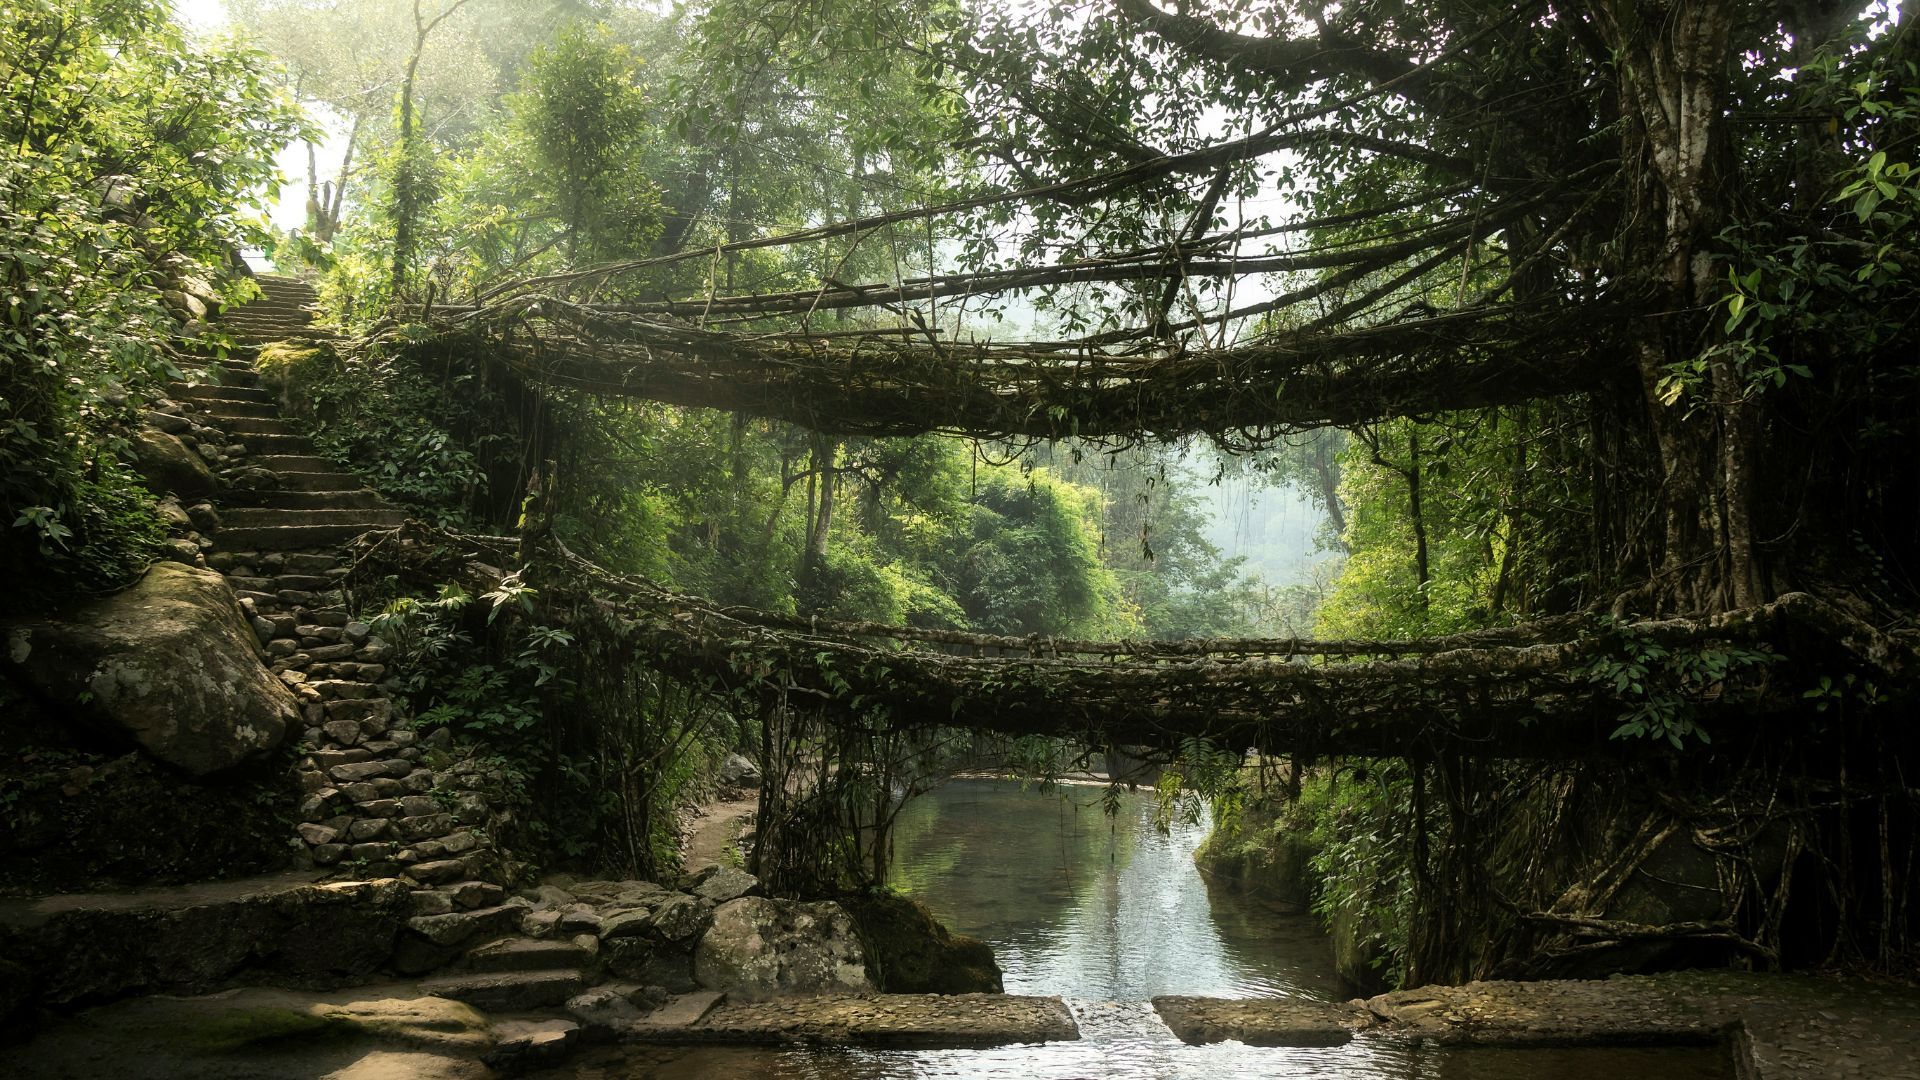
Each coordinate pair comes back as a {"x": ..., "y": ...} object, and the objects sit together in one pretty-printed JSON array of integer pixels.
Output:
[{"x": 1671, "y": 62}]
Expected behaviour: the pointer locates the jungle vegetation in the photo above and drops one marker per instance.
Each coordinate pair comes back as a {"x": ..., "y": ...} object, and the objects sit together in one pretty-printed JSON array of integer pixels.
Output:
[{"x": 878, "y": 310}]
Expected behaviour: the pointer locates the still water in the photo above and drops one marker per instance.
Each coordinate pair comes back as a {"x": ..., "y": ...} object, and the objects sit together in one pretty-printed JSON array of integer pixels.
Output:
[{"x": 1108, "y": 912}]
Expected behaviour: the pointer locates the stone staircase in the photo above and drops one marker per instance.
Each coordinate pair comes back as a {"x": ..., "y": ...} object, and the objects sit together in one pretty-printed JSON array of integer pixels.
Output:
[
  {"x": 373, "y": 801},
  {"x": 511, "y": 974}
]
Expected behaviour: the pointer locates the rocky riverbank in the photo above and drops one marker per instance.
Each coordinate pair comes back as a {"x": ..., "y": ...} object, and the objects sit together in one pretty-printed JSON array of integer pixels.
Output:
[{"x": 1778, "y": 1027}]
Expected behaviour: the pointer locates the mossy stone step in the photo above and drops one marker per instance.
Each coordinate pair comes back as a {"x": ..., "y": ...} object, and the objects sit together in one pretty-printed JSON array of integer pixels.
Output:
[
  {"x": 527, "y": 954},
  {"x": 296, "y": 463},
  {"x": 266, "y": 517},
  {"x": 280, "y": 443},
  {"x": 508, "y": 991},
  {"x": 287, "y": 537},
  {"x": 219, "y": 392},
  {"x": 357, "y": 499},
  {"x": 261, "y": 425},
  {"x": 226, "y": 408},
  {"x": 328, "y": 478}
]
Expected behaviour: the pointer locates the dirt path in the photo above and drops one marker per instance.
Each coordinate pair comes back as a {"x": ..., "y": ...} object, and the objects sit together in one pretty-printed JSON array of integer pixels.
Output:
[{"x": 715, "y": 827}]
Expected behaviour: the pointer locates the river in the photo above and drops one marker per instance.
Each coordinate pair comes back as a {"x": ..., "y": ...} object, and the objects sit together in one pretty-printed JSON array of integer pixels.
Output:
[{"x": 1108, "y": 912}]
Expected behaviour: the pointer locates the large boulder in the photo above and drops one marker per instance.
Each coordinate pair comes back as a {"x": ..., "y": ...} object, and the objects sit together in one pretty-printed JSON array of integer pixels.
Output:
[
  {"x": 166, "y": 464},
  {"x": 909, "y": 952},
  {"x": 759, "y": 948},
  {"x": 169, "y": 664},
  {"x": 738, "y": 770}
]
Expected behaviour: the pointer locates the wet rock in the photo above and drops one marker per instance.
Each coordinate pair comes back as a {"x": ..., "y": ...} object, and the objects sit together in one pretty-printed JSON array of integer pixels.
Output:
[
  {"x": 529, "y": 1044},
  {"x": 909, "y": 952},
  {"x": 579, "y": 920},
  {"x": 627, "y": 957},
  {"x": 681, "y": 918},
  {"x": 460, "y": 926},
  {"x": 759, "y": 948},
  {"x": 1264, "y": 1021},
  {"x": 371, "y": 1033},
  {"x": 606, "y": 1008}
]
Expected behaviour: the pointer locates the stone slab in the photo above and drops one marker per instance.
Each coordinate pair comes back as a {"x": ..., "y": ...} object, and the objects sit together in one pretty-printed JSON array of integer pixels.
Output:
[
  {"x": 1262, "y": 1021},
  {"x": 922, "y": 1021},
  {"x": 1776, "y": 1027}
]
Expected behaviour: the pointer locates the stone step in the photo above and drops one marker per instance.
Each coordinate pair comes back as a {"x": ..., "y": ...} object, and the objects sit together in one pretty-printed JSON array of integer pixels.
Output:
[
  {"x": 296, "y": 463},
  {"x": 218, "y": 392},
  {"x": 253, "y": 338},
  {"x": 329, "y": 479},
  {"x": 268, "y": 517},
  {"x": 287, "y": 537},
  {"x": 527, "y": 954},
  {"x": 254, "y": 320},
  {"x": 508, "y": 991},
  {"x": 358, "y": 499},
  {"x": 279, "y": 443},
  {"x": 283, "y": 285},
  {"x": 234, "y": 374},
  {"x": 219, "y": 379},
  {"x": 225, "y": 408},
  {"x": 261, "y": 425}
]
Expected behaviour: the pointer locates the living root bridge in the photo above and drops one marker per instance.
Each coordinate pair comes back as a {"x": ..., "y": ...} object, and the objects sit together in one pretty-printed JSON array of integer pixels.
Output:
[
  {"x": 1528, "y": 691},
  {"x": 886, "y": 382}
]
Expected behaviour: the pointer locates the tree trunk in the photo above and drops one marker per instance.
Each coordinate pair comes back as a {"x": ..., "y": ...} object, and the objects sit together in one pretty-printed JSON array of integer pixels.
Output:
[
  {"x": 1330, "y": 490},
  {"x": 1670, "y": 59}
]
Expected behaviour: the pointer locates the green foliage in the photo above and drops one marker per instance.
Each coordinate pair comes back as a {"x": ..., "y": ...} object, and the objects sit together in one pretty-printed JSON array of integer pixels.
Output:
[
  {"x": 423, "y": 429},
  {"x": 1362, "y": 829},
  {"x": 1032, "y": 564},
  {"x": 583, "y": 114},
  {"x": 1661, "y": 687},
  {"x": 1792, "y": 294},
  {"x": 127, "y": 156}
]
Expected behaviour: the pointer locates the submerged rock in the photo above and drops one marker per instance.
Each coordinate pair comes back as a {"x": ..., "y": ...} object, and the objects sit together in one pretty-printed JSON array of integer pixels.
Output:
[
  {"x": 759, "y": 948},
  {"x": 169, "y": 663}
]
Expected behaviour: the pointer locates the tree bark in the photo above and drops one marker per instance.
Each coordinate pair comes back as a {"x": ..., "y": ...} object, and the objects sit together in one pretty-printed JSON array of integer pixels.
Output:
[{"x": 1670, "y": 60}]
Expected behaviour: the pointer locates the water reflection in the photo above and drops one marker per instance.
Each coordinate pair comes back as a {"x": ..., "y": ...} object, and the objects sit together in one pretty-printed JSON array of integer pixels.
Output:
[
  {"x": 1083, "y": 905},
  {"x": 1107, "y": 913}
]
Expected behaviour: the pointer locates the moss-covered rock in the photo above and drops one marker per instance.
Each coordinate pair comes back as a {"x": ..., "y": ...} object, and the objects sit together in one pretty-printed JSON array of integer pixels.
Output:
[
  {"x": 909, "y": 952},
  {"x": 292, "y": 370},
  {"x": 169, "y": 665},
  {"x": 1261, "y": 852},
  {"x": 167, "y": 466}
]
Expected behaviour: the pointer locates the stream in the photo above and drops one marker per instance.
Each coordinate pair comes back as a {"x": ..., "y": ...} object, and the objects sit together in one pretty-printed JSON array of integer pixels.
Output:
[{"x": 1108, "y": 912}]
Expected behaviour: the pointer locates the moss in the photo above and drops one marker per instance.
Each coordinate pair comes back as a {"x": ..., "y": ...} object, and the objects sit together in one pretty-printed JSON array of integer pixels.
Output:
[
  {"x": 246, "y": 1029},
  {"x": 290, "y": 356},
  {"x": 1265, "y": 851},
  {"x": 909, "y": 952}
]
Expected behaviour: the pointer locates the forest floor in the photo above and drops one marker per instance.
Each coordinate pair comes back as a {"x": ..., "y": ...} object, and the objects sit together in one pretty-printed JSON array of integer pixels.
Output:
[{"x": 713, "y": 829}]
